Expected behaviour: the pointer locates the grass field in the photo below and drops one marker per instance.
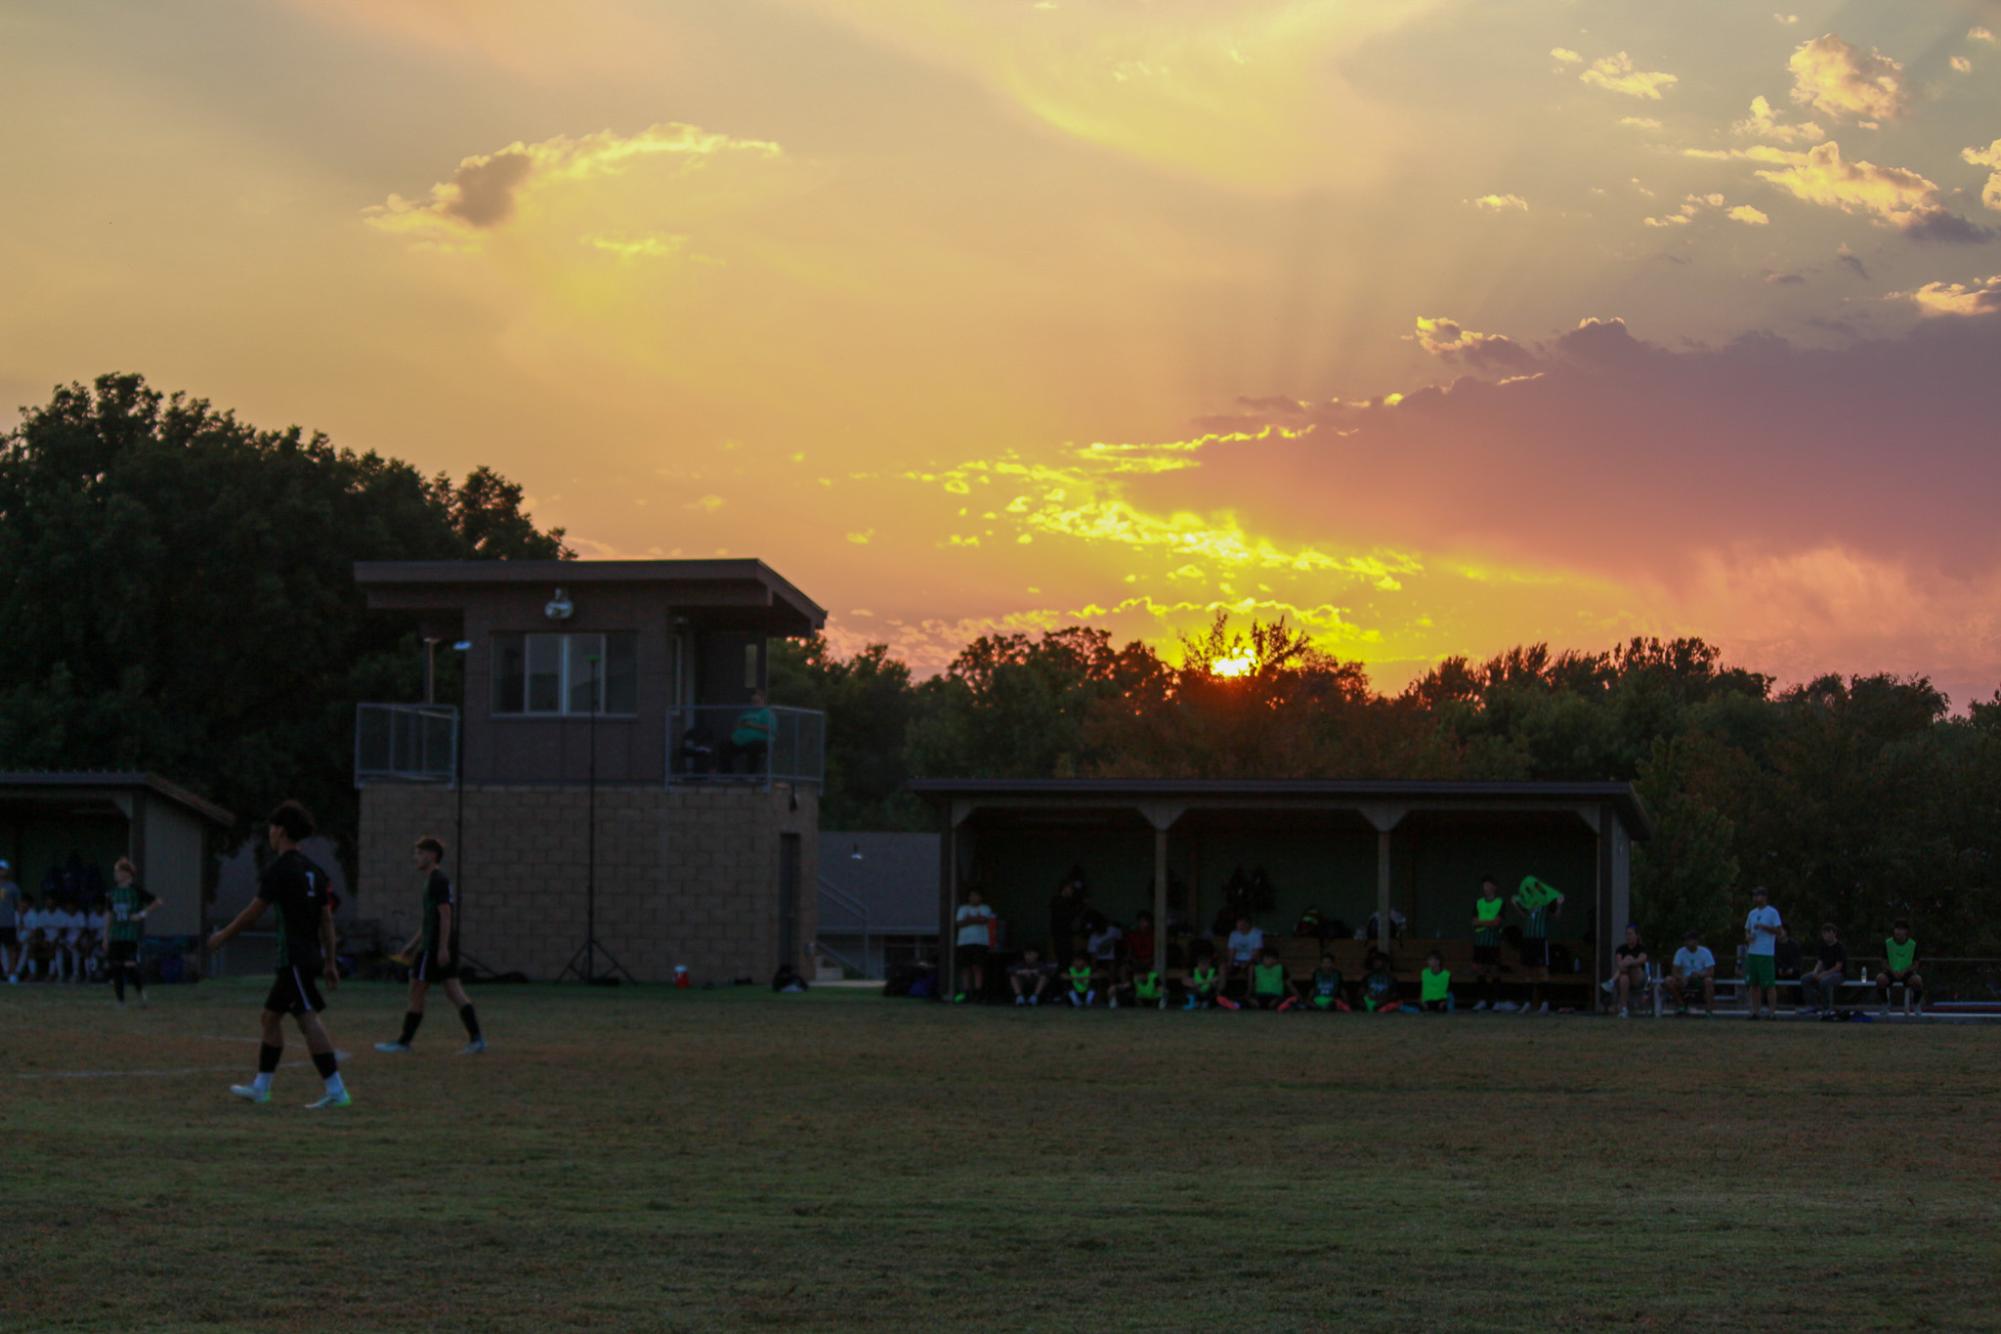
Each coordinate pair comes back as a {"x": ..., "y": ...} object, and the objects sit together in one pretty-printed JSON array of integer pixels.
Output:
[{"x": 649, "y": 1159}]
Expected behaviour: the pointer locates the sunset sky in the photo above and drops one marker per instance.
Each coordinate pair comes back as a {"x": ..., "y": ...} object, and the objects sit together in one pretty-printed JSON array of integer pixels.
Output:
[{"x": 1433, "y": 325}]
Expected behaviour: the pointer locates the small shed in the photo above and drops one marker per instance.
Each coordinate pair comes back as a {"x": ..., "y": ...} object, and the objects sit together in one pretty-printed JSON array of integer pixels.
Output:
[{"x": 64, "y": 831}]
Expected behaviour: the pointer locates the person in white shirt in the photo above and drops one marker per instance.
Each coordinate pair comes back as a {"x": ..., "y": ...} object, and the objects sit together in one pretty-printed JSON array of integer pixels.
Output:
[
  {"x": 72, "y": 923},
  {"x": 1761, "y": 938},
  {"x": 1694, "y": 970},
  {"x": 1241, "y": 950},
  {"x": 975, "y": 940}
]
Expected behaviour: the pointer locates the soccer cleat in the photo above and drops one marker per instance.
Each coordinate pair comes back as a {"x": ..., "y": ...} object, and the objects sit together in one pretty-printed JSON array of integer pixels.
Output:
[
  {"x": 328, "y": 1100},
  {"x": 1020, "y": 999},
  {"x": 1190, "y": 1005},
  {"x": 392, "y": 1048},
  {"x": 1479, "y": 1007},
  {"x": 1623, "y": 1014},
  {"x": 249, "y": 1093},
  {"x": 474, "y": 1048}
]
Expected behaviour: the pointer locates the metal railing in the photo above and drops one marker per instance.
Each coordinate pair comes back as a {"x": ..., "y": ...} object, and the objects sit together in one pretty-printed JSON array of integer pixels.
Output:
[
  {"x": 856, "y": 912},
  {"x": 745, "y": 743},
  {"x": 405, "y": 743}
]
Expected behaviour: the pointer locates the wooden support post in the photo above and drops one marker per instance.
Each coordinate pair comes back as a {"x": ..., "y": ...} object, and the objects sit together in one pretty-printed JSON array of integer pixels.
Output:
[
  {"x": 1160, "y": 899},
  {"x": 948, "y": 902},
  {"x": 1383, "y": 890}
]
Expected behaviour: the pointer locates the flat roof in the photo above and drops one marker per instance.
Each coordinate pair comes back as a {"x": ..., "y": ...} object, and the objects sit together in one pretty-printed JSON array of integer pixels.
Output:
[
  {"x": 745, "y": 582},
  {"x": 1282, "y": 792},
  {"x": 116, "y": 781}
]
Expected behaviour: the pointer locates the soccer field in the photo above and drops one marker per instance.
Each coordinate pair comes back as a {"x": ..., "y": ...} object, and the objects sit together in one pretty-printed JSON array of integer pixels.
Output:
[{"x": 641, "y": 1158}]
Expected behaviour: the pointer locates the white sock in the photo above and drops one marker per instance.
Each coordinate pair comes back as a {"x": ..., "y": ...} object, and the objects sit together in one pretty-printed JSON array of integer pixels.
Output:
[{"x": 263, "y": 1081}]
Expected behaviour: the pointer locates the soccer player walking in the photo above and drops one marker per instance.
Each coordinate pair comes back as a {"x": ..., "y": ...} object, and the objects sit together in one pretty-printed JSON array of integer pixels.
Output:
[
  {"x": 298, "y": 890},
  {"x": 125, "y": 924},
  {"x": 437, "y": 951}
]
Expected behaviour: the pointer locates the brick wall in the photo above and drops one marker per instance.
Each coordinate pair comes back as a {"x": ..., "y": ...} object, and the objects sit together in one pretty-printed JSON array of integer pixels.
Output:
[{"x": 685, "y": 875}]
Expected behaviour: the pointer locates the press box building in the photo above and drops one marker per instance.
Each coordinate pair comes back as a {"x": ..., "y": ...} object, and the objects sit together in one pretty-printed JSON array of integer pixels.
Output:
[{"x": 595, "y": 760}]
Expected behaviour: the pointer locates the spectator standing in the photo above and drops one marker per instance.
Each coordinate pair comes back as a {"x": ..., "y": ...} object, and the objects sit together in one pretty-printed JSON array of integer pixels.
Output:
[
  {"x": 13, "y": 949},
  {"x": 1064, "y": 910},
  {"x": 1488, "y": 907},
  {"x": 975, "y": 941},
  {"x": 1820, "y": 990},
  {"x": 127, "y": 926},
  {"x": 1030, "y": 977},
  {"x": 1629, "y": 969},
  {"x": 1694, "y": 970},
  {"x": 1761, "y": 938},
  {"x": 1538, "y": 904},
  {"x": 1900, "y": 966}
]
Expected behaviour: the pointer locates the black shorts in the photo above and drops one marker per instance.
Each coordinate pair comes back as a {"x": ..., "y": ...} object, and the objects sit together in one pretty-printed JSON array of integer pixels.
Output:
[
  {"x": 122, "y": 951},
  {"x": 970, "y": 954},
  {"x": 1487, "y": 956},
  {"x": 428, "y": 969},
  {"x": 1535, "y": 952},
  {"x": 295, "y": 991}
]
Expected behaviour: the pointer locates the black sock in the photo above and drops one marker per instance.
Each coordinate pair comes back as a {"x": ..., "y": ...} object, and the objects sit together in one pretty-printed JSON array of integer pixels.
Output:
[
  {"x": 267, "y": 1057},
  {"x": 118, "y": 981},
  {"x": 411, "y": 1018},
  {"x": 326, "y": 1063},
  {"x": 470, "y": 1020}
]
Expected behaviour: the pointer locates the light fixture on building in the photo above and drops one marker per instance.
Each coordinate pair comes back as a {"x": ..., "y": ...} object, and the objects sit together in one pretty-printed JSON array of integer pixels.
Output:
[
  {"x": 855, "y": 852},
  {"x": 559, "y": 607}
]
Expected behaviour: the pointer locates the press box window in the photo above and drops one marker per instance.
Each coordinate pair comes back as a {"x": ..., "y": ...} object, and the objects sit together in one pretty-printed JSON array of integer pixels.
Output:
[{"x": 558, "y": 675}]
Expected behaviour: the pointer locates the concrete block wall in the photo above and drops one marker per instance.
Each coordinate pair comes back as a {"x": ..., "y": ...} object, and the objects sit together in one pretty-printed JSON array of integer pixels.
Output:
[{"x": 685, "y": 875}]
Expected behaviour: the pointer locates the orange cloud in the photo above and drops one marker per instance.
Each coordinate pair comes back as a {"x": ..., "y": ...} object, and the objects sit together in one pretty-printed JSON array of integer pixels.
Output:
[
  {"x": 1989, "y": 156},
  {"x": 1765, "y": 123},
  {"x": 1893, "y": 196},
  {"x": 1980, "y": 297}
]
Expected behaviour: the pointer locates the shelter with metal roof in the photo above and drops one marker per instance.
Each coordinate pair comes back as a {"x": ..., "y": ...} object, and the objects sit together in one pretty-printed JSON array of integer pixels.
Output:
[{"x": 1355, "y": 851}]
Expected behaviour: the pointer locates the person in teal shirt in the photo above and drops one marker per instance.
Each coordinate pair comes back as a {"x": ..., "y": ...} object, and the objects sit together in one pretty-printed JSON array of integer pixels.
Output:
[
  {"x": 1434, "y": 984},
  {"x": 753, "y": 734},
  {"x": 1323, "y": 992}
]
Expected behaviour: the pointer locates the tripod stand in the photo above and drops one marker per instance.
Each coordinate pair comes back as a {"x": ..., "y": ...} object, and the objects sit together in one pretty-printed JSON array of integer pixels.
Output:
[{"x": 587, "y": 953}]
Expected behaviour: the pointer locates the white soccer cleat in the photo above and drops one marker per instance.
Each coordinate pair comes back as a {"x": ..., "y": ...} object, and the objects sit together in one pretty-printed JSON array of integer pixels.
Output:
[
  {"x": 476, "y": 1047},
  {"x": 250, "y": 1093},
  {"x": 330, "y": 1100},
  {"x": 392, "y": 1048}
]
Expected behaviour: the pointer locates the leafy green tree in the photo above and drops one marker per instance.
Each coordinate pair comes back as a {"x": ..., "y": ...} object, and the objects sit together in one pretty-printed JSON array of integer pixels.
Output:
[{"x": 180, "y": 593}]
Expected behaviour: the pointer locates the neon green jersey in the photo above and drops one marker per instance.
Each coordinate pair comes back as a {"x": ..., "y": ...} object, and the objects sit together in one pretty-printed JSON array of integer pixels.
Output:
[
  {"x": 1080, "y": 980},
  {"x": 1900, "y": 957},
  {"x": 1147, "y": 986},
  {"x": 1268, "y": 979},
  {"x": 1434, "y": 986},
  {"x": 1488, "y": 913},
  {"x": 1202, "y": 979}
]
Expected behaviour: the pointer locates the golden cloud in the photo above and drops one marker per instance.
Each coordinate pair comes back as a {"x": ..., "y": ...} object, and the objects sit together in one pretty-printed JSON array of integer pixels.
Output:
[
  {"x": 1749, "y": 216},
  {"x": 1836, "y": 79},
  {"x": 487, "y": 189},
  {"x": 1765, "y": 123},
  {"x": 1982, "y": 296},
  {"x": 1989, "y": 156},
  {"x": 1617, "y": 73},
  {"x": 1893, "y": 196},
  {"x": 1501, "y": 204}
]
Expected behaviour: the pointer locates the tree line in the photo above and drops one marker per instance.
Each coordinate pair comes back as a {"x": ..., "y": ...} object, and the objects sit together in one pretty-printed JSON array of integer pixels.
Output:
[{"x": 1853, "y": 799}]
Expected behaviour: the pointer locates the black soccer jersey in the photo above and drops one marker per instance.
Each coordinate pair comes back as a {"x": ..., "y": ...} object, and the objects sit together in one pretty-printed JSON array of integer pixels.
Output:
[
  {"x": 438, "y": 893},
  {"x": 298, "y": 889}
]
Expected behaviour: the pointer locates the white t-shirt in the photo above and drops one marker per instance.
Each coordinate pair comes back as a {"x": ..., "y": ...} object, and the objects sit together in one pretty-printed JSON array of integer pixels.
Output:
[
  {"x": 72, "y": 926},
  {"x": 1246, "y": 945},
  {"x": 1762, "y": 942},
  {"x": 1688, "y": 962},
  {"x": 975, "y": 924},
  {"x": 1104, "y": 944}
]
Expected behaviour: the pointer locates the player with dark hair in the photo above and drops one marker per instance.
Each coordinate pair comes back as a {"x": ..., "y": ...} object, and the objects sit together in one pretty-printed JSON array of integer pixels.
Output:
[
  {"x": 436, "y": 947},
  {"x": 298, "y": 889},
  {"x": 128, "y": 905}
]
